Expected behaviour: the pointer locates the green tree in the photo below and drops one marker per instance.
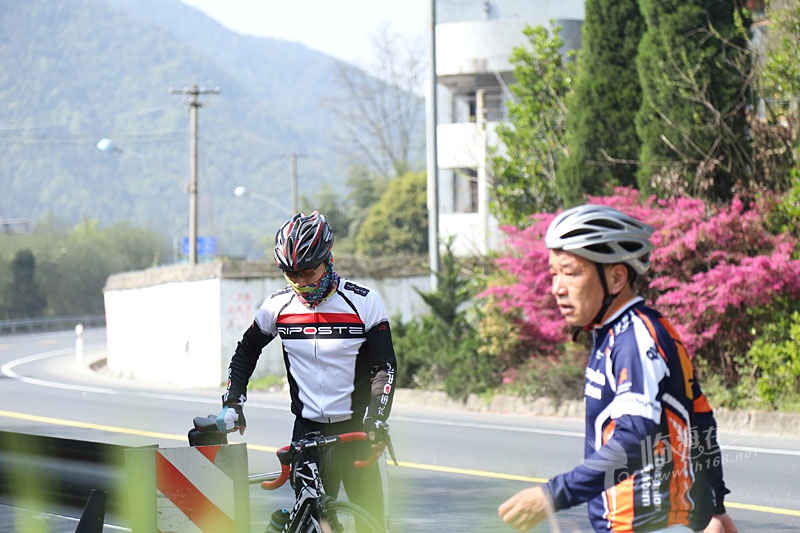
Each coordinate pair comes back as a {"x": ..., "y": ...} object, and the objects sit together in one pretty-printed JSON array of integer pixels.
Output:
[
  {"x": 774, "y": 125},
  {"x": 364, "y": 188},
  {"x": 77, "y": 263},
  {"x": 330, "y": 203},
  {"x": 781, "y": 73},
  {"x": 602, "y": 142},
  {"x": 694, "y": 70},
  {"x": 441, "y": 350},
  {"x": 346, "y": 212},
  {"x": 523, "y": 179},
  {"x": 23, "y": 293},
  {"x": 786, "y": 217},
  {"x": 398, "y": 222},
  {"x": 72, "y": 264},
  {"x": 776, "y": 355}
]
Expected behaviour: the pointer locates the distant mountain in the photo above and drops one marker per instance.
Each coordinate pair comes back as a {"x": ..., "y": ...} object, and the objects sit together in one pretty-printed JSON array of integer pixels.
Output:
[{"x": 73, "y": 72}]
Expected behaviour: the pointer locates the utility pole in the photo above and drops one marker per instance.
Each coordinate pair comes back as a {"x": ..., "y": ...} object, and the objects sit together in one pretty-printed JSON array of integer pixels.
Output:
[
  {"x": 295, "y": 195},
  {"x": 483, "y": 187},
  {"x": 194, "y": 104},
  {"x": 432, "y": 156}
]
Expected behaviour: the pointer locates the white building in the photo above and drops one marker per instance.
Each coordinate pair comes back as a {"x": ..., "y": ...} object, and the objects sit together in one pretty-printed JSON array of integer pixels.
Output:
[{"x": 474, "y": 41}]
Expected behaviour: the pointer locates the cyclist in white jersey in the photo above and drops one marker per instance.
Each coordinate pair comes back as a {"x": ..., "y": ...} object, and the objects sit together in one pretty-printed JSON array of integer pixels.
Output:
[
  {"x": 338, "y": 352},
  {"x": 652, "y": 462}
]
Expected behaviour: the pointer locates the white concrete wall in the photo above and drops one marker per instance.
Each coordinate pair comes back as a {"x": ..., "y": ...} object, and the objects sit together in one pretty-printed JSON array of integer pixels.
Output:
[
  {"x": 168, "y": 333},
  {"x": 240, "y": 300},
  {"x": 184, "y": 332}
]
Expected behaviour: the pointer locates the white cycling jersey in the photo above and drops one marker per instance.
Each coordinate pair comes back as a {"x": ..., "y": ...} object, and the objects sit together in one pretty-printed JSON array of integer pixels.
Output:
[{"x": 331, "y": 352}]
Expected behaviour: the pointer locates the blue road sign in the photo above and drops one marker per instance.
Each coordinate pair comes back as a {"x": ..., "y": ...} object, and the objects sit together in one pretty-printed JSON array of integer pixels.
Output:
[{"x": 206, "y": 246}]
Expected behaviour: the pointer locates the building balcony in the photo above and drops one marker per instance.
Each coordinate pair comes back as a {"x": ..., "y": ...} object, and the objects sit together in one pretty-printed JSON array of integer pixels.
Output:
[
  {"x": 473, "y": 234},
  {"x": 468, "y": 48},
  {"x": 462, "y": 145}
]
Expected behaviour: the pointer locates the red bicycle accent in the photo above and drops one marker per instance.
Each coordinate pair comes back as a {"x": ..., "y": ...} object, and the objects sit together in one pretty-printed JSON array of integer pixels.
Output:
[
  {"x": 324, "y": 509},
  {"x": 297, "y": 447},
  {"x": 272, "y": 485}
]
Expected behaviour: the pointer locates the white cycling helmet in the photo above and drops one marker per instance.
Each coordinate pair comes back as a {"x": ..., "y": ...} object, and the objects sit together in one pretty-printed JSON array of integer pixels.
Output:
[{"x": 602, "y": 234}]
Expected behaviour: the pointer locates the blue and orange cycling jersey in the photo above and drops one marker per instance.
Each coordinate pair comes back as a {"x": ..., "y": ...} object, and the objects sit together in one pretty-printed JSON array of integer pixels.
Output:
[{"x": 651, "y": 458}]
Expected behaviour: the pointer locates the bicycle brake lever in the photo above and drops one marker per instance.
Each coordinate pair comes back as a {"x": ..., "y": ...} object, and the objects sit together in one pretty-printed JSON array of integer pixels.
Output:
[
  {"x": 383, "y": 428},
  {"x": 391, "y": 449}
]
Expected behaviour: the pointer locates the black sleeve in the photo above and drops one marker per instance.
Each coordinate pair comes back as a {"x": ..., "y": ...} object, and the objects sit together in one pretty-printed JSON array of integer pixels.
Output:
[
  {"x": 383, "y": 365},
  {"x": 711, "y": 471},
  {"x": 707, "y": 445},
  {"x": 243, "y": 363}
]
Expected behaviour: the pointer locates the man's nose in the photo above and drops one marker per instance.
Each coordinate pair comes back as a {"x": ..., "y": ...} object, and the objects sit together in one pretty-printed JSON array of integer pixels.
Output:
[{"x": 557, "y": 287}]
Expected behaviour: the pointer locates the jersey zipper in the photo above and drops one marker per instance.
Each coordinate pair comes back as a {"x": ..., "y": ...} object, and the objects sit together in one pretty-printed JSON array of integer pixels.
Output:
[{"x": 320, "y": 379}]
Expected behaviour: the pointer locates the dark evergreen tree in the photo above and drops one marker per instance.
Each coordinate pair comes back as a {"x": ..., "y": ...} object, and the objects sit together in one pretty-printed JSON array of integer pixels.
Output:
[
  {"x": 601, "y": 133},
  {"x": 24, "y": 294},
  {"x": 442, "y": 348},
  {"x": 694, "y": 71}
]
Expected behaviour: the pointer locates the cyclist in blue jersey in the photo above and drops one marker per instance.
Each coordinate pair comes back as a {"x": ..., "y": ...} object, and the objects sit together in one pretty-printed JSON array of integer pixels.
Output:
[
  {"x": 338, "y": 353},
  {"x": 652, "y": 462}
]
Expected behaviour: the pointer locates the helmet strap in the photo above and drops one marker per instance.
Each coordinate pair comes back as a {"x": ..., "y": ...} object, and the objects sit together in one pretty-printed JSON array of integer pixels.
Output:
[{"x": 608, "y": 298}]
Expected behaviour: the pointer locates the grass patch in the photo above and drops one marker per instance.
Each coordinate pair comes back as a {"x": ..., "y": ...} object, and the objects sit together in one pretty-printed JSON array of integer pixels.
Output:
[{"x": 268, "y": 383}]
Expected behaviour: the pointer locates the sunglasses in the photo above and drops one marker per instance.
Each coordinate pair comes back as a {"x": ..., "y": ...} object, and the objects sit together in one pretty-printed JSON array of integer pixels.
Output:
[{"x": 306, "y": 273}]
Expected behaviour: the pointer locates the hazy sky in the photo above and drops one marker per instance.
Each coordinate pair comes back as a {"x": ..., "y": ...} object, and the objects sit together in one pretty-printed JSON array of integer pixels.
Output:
[{"x": 340, "y": 28}]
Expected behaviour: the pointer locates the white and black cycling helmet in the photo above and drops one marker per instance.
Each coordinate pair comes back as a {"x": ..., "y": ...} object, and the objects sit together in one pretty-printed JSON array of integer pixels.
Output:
[
  {"x": 304, "y": 241},
  {"x": 603, "y": 235}
]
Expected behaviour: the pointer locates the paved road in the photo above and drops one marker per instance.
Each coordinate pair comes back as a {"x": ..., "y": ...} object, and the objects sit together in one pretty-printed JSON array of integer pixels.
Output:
[{"x": 455, "y": 466}]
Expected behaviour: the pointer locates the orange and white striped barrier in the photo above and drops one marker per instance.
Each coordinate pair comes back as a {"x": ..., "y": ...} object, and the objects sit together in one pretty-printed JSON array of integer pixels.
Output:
[{"x": 202, "y": 489}]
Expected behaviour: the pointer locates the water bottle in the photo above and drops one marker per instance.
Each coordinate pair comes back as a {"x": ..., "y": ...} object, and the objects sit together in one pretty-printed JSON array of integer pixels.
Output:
[{"x": 277, "y": 521}]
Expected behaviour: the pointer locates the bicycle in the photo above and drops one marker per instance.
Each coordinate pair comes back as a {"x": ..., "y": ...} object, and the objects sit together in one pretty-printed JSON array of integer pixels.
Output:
[{"x": 314, "y": 511}]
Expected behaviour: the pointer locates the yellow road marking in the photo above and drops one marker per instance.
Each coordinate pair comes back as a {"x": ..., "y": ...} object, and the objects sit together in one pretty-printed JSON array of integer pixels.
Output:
[
  {"x": 260, "y": 448},
  {"x": 402, "y": 464},
  {"x": 762, "y": 508},
  {"x": 470, "y": 472},
  {"x": 87, "y": 425}
]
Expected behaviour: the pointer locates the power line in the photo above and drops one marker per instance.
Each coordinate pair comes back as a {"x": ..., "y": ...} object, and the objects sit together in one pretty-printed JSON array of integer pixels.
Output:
[{"x": 45, "y": 125}]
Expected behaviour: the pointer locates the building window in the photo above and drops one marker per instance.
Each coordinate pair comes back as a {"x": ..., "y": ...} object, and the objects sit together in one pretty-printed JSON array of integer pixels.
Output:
[
  {"x": 495, "y": 105},
  {"x": 465, "y": 105},
  {"x": 465, "y": 190}
]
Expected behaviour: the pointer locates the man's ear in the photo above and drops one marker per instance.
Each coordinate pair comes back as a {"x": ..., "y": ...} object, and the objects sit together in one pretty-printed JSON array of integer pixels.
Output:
[{"x": 616, "y": 277}]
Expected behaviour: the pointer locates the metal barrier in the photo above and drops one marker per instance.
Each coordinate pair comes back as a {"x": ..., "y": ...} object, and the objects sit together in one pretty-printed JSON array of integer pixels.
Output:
[
  {"x": 52, "y": 470},
  {"x": 145, "y": 488},
  {"x": 55, "y": 323}
]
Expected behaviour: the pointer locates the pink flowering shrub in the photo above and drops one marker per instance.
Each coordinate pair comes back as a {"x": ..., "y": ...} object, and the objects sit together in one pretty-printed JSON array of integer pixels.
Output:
[
  {"x": 526, "y": 297},
  {"x": 713, "y": 273}
]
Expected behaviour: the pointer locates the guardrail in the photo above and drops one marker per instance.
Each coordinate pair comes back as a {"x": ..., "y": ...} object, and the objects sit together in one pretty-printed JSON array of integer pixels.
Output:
[
  {"x": 54, "y": 323},
  {"x": 49, "y": 471}
]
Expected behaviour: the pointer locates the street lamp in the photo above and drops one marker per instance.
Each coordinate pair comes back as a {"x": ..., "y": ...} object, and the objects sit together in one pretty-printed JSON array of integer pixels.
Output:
[
  {"x": 108, "y": 145},
  {"x": 242, "y": 191}
]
